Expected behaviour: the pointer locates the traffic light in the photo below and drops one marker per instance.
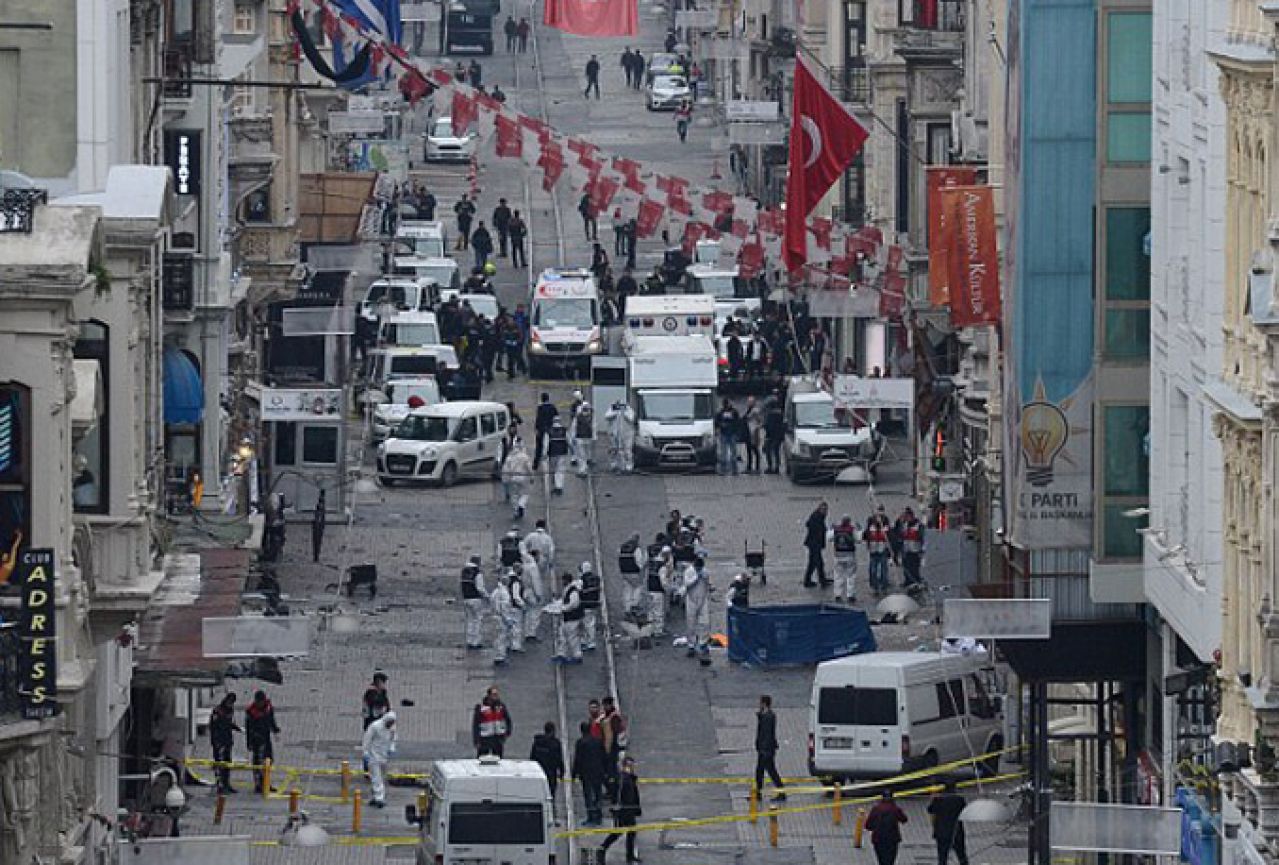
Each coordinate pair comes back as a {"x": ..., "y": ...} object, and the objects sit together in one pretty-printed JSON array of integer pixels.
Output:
[{"x": 939, "y": 451}]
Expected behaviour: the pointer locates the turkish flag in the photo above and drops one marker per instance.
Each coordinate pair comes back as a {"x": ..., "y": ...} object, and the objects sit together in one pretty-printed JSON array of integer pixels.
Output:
[
  {"x": 650, "y": 214},
  {"x": 602, "y": 190},
  {"x": 824, "y": 139},
  {"x": 769, "y": 221},
  {"x": 750, "y": 259},
  {"x": 593, "y": 17},
  {"x": 413, "y": 86},
  {"x": 634, "y": 184},
  {"x": 463, "y": 111},
  {"x": 510, "y": 142}
]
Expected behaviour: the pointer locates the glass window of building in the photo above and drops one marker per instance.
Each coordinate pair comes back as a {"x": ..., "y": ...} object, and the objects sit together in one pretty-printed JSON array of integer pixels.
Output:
[{"x": 89, "y": 462}]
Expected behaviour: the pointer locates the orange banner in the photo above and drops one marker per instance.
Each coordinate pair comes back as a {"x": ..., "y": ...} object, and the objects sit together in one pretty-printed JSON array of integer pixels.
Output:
[
  {"x": 942, "y": 177},
  {"x": 973, "y": 256}
]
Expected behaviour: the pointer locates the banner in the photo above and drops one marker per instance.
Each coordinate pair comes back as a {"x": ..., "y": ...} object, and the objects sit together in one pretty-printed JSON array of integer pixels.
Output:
[
  {"x": 650, "y": 214},
  {"x": 602, "y": 190},
  {"x": 593, "y": 17},
  {"x": 464, "y": 111},
  {"x": 38, "y": 670},
  {"x": 510, "y": 141},
  {"x": 973, "y": 259},
  {"x": 942, "y": 177}
]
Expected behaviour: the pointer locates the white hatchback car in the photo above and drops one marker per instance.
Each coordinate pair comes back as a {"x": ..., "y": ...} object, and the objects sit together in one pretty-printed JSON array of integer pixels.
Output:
[
  {"x": 667, "y": 92},
  {"x": 442, "y": 145},
  {"x": 445, "y": 442}
]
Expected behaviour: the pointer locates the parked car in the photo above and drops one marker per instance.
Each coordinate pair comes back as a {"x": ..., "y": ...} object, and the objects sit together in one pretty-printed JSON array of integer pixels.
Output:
[
  {"x": 442, "y": 145},
  {"x": 667, "y": 92},
  {"x": 444, "y": 442}
]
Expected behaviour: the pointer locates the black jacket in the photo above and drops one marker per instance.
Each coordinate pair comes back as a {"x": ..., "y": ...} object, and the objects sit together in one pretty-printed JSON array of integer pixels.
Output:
[
  {"x": 501, "y": 217},
  {"x": 766, "y": 732},
  {"x": 481, "y": 240},
  {"x": 259, "y": 722},
  {"x": 628, "y": 798},
  {"x": 546, "y": 413},
  {"x": 815, "y": 531},
  {"x": 590, "y": 762},
  {"x": 221, "y": 726},
  {"x": 548, "y": 753}
]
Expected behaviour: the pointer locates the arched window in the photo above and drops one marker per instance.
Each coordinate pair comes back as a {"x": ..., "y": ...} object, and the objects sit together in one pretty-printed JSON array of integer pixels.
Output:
[
  {"x": 89, "y": 463},
  {"x": 15, "y": 475}
]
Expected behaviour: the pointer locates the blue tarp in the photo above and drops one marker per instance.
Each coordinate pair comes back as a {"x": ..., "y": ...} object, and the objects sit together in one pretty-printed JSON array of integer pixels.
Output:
[
  {"x": 804, "y": 634},
  {"x": 183, "y": 389}
]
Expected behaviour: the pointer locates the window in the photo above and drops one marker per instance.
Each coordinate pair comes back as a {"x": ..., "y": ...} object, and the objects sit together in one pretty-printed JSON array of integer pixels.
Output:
[
  {"x": 466, "y": 429},
  {"x": 488, "y": 424},
  {"x": 1127, "y": 334},
  {"x": 89, "y": 463},
  {"x": 244, "y": 21},
  {"x": 950, "y": 698},
  {"x": 501, "y": 420},
  {"x": 496, "y": 823},
  {"x": 1128, "y": 136},
  {"x": 320, "y": 445},
  {"x": 1129, "y": 50},
  {"x": 869, "y": 707},
  {"x": 257, "y": 206},
  {"x": 286, "y": 443},
  {"x": 1127, "y": 449},
  {"x": 1126, "y": 319},
  {"x": 15, "y": 475}
]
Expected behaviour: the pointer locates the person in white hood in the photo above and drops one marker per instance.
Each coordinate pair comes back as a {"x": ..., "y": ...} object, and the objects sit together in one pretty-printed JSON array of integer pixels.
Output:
[
  {"x": 517, "y": 474},
  {"x": 621, "y": 437},
  {"x": 379, "y": 747},
  {"x": 535, "y": 595},
  {"x": 507, "y": 617},
  {"x": 697, "y": 611}
]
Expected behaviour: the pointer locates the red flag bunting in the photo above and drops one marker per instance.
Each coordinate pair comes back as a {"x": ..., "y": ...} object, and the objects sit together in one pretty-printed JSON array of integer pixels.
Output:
[
  {"x": 821, "y": 227},
  {"x": 858, "y": 243},
  {"x": 892, "y": 297},
  {"x": 463, "y": 111},
  {"x": 650, "y": 214},
  {"x": 740, "y": 228},
  {"x": 509, "y": 140},
  {"x": 413, "y": 86},
  {"x": 894, "y": 261},
  {"x": 769, "y": 221},
  {"x": 634, "y": 184},
  {"x": 718, "y": 202},
  {"x": 441, "y": 76},
  {"x": 678, "y": 203},
  {"x": 329, "y": 21},
  {"x": 750, "y": 259},
  {"x": 485, "y": 101},
  {"x": 626, "y": 167},
  {"x": 602, "y": 191},
  {"x": 553, "y": 168}
]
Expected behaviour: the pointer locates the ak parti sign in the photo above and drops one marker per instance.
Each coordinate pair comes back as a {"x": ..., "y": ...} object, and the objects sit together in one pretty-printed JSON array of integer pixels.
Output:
[
  {"x": 972, "y": 257},
  {"x": 941, "y": 178},
  {"x": 38, "y": 671}
]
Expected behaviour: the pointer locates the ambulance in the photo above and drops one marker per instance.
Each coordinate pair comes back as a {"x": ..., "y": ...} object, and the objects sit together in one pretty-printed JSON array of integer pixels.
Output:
[
  {"x": 669, "y": 315},
  {"x": 671, "y": 383},
  {"x": 564, "y": 322}
]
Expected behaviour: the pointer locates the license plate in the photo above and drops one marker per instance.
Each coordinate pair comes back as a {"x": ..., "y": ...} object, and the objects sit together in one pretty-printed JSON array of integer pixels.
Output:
[{"x": 837, "y": 742}]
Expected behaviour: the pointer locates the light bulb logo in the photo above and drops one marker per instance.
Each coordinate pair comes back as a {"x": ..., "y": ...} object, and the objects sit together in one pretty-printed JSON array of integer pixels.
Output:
[{"x": 1044, "y": 432}]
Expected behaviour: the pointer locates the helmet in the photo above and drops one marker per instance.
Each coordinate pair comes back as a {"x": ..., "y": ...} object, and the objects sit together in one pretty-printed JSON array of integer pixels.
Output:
[
  {"x": 584, "y": 568},
  {"x": 514, "y": 533},
  {"x": 490, "y": 268}
]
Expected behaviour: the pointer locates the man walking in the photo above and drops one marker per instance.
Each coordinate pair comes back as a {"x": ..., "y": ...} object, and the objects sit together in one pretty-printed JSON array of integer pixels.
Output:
[
  {"x": 584, "y": 437},
  {"x": 509, "y": 620},
  {"x": 766, "y": 749},
  {"x": 549, "y": 754},
  {"x": 491, "y": 724},
  {"x": 627, "y": 59},
  {"x": 482, "y": 245},
  {"x": 546, "y": 416},
  {"x": 588, "y": 767},
  {"x": 625, "y": 814},
  {"x": 557, "y": 452},
  {"x": 518, "y": 231},
  {"x": 378, "y": 747},
  {"x": 465, "y": 211},
  {"x": 589, "y": 223},
  {"x": 522, "y": 30},
  {"x": 222, "y": 728},
  {"x": 697, "y": 589},
  {"x": 683, "y": 117},
  {"x": 727, "y": 422},
  {"x": 568, "y": 638},
  {"x": 473, "y": 602},
  {"x": 774, "y": 432},
  {"x": 912, "y": 540},
  {"x": 815, "y": 541},
  {"x": 845, "y": 543},
  {"x": 511, "y": 30},
  {"x": 259, "y": 727},
  {"x": 592, "y": 77},
  {"x": 876, "y": 538},
  {"x": 592, "y": 589},
  {"x": 502, "y": 222},
  {"x": 948, "y": 830},
  {"x": 884, "y": 824}
]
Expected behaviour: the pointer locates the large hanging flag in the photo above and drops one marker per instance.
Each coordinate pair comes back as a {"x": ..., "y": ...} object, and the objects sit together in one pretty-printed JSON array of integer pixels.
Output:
[
  {"x": 824, "y": 139},
  {"x": 973, "y": 258},
  {"x": 940, "y": 236},
  {"x": 380, "y": 20},
  {"x": 593, "y": 17}
]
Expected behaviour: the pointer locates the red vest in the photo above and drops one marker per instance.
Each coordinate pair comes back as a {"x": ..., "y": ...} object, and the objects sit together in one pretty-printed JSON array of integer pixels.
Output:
[{"x": 492, "y": 720}]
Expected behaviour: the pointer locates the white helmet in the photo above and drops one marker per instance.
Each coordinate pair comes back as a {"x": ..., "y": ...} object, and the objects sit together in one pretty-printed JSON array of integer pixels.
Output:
[{"x": 584, "y": 568}]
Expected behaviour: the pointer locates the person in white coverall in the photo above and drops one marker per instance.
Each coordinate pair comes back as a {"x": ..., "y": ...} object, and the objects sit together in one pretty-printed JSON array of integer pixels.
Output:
[
  {"x": 540, "y": 540},
  {"x": 621, "y": 437},
  {"x": 517, "y": 474},
  {"x": 568, "y": 639},
  {"x": 659, "y": 581},
  {"x": 379, "y": 747},
  {"x": 474, "y": 601},
  {"x": 534, "y": 593},
  {"x": 697, "y": 608},
  {"x": 504, "y": 610}
]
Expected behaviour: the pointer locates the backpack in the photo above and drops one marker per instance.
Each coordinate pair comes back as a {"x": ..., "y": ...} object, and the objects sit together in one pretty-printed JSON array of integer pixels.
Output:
[{"x": 585, "y": 423}]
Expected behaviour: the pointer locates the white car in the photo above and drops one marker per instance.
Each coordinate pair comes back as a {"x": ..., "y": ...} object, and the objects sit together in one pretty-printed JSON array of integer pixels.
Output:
[
  {"x": 444, "y": 442},
  {"x": 390, "y": 414},
  {"x": 667, "y": 92},
  {"x": 442, "y": 145}
]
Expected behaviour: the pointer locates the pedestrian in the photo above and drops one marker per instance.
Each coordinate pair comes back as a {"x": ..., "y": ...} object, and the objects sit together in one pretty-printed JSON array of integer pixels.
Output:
[
  {"x": 619, "y": 233},
  {"x": 535, "y": 596},
  {"x": 568, "y": 642},
  {"x": 815, "y": 541},
  {"x": 491, "y": 724},
  {"x": 509, "y": 622},
  {"x": 222, "y": 730},
  {"x": 511, "y": 29},
  {"x": 557, "y": 454},
  {"x": 592, "y": 588},
  {"x": 632, "y": 233},
  {"x": 426, "y": 205},
  {"x": 378, "y": 746},
  {"x": 259, "y": 727},
  {"x": 502, "y": 223},
  {"x": 522, "y": 30},
  {"x": 475, "y": 74},
  {"x": 632, "y": 562},
  {"x": 884, "y": 825},
  {"x": 876, "y": 538},
  {"x": 621, "y": 434},
  {"x": 517, "y": 474},
  {"x": 473, "y": 602},
  {"x": 592, "y": 78},
  {"x": 589, "y": 224},
  {"x": 482, "y": 245},
  {"x": 752, "y": 434},
  {"x": 844, "y": 541},
  {"x": 546, "y": 415},
  {"x": 615, "y": 741},
  {"x": 599, "y": 262},
  {"x": 376, "y": 702},
  {"x": 548, "y": 753},
  {"x": 659, "y": 572},
  {"x": 498, "y": 96},
  {"x": 518, "y": 231},
  {"x": 625, "y": 814},
  {"x": 465, "y": 211},
  {"x": 683, "y": 116},
  {"x": 540, "y": 542},
  {"x": 589, "y": 759},
  {"x": 774, "y": 433},
  {"x": 627, "y": 68},
  {"x": 766, "y": 749},
  {"x": 513, "y": 346},
  {"x": 726, "y": 423},
  {"x": 696, "y": 590},
  {"x": 318, "y": 519},
  {"x": 912, "y": 541},
  {"x": 637, "y": 63},
  {"x": 948, "y": 829},
  {"x": 584, "y": 437}
]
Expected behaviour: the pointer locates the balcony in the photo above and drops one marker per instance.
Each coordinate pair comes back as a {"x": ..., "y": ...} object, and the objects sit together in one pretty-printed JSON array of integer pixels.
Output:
[
  {"x": 945, "y": 16},
  {"x": 178, "y": 284},
  {"x": 851, "y": 83},
  {"x": 178, "y": 59}
]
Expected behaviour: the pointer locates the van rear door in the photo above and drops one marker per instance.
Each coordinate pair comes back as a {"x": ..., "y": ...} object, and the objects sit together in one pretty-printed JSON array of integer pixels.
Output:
[
  {"x": 858, "y": 730},
  {"x": 498, "y": 833}
]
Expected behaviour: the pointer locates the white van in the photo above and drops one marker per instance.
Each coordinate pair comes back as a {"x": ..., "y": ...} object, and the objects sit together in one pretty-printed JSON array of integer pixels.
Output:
[
  {"x": 671, "y": 384},
  {"x": 669, "y": 315},
  {"x": 394, "y": 407},
  {"x": 444, "y": 442},
  {"x": 405, "y": 361},
  {"x": 821, "y": 442},
  {"x": 423, "y": 238},
  {"x": 564, "y": 321},
  {"x": 435, "y": 275},
  {"x": 385, "y": 297},
  {"x": 485, "y": 812},
  {"x": 410, "y": 329},
  {"x": 886, "y": 713},
  {"x": 721, "y": 283}
]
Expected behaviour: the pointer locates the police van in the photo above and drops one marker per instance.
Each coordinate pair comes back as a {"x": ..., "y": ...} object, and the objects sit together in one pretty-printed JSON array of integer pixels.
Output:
[
  {"x": 564, "y": 322},
  {"x": 485, "y": 812}
]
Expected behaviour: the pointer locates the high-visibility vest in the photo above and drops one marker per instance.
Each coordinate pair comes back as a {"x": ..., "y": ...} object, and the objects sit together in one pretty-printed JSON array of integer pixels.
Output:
[
  {"x": 492, "y": 720},
  {"x": 845, "y": 539}
]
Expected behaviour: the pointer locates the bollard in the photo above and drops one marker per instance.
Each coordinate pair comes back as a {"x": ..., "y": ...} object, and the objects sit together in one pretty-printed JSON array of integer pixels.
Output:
[
  {"x": 357, "y": 808},
  {"x": 218, "y": 808},
  {"x": 774, "y": 831},
  {"x": 294, "y": 795},
  {"x": 266, "y": 778},
  {"x": 754, "y": 804},
  {"x": 837, "y": 815},
  {"x": 346, "y": 780},
  {"x": 859, "y": 827}
]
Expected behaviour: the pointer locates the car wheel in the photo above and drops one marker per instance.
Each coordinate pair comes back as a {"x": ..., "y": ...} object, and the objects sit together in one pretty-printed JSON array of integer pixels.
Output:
[
  {"x": 792, "y": 472},
  {"x": 931, "y": 760},
  {"x": 448, "y": 476}
]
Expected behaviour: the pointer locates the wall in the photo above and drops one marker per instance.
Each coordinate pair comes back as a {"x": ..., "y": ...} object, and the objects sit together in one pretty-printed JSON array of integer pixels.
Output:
[{"x": 38, "y": 104}]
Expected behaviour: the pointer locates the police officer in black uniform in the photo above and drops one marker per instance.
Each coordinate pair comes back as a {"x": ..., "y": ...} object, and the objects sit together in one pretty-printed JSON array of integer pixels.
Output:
[
  {"x": 473, "y": 602},
  {"x": 591, "y": 588}
]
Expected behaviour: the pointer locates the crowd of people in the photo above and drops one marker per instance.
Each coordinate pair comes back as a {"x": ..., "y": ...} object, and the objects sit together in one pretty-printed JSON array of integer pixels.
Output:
[{"x": 900, "y": 541}]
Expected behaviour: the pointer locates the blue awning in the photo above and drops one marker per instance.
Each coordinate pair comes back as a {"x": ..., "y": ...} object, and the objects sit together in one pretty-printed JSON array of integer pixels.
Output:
[{"x": 183, "y": 390}]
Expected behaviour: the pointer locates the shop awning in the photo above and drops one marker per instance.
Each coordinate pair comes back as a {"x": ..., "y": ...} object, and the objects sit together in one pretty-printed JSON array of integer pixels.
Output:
[{"x": 183, "y": 389}]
